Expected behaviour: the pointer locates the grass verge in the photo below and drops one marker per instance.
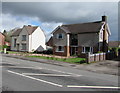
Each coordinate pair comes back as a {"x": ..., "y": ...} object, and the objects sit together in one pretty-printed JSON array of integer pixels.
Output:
[{"x": 70, "y": 60}]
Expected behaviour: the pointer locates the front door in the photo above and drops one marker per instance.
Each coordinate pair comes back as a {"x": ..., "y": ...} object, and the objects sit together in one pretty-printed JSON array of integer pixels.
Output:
[{"x": 74, "y": 51}]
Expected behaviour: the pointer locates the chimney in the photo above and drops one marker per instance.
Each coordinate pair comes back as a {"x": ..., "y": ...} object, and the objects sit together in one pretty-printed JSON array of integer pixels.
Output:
[
  {"x": 29, "y": 25},
  {"x": 104, "y": 18}
]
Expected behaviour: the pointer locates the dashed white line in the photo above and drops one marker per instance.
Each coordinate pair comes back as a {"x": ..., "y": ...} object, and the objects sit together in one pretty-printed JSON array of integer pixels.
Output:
[
  {"x": 105, "y": 87},
  {"x": 35, "y": 79}
]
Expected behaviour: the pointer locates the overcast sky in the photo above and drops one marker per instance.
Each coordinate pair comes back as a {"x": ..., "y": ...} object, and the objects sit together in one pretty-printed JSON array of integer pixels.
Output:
[{"x": 49, "y": 15}]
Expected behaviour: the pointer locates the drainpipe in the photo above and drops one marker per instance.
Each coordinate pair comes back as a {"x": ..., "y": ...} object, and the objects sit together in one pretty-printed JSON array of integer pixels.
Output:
[{"x": 68, "y": 45}]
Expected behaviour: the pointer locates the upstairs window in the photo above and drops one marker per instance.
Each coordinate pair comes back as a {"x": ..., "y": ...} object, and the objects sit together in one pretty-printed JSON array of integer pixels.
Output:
[
  {"x": 60, "y": 36},
  {"x": 23, "y": 37},
  {"x": 74, "y": 39}
]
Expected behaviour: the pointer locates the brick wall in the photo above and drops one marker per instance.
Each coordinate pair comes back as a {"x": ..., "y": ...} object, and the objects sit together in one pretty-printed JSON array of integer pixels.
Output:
[
  {"x": 2, "y": 39},
  {"x": 65, "y": 53}
]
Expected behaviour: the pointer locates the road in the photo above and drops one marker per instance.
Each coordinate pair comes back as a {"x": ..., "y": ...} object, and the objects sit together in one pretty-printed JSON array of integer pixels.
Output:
[{"x": 24, "y": 75}]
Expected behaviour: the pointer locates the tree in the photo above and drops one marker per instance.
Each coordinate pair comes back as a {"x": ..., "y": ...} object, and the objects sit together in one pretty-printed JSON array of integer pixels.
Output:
[{"x": 7, "y": 35}]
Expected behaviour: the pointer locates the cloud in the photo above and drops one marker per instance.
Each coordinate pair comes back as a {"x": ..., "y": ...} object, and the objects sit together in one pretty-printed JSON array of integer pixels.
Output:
[
  {"x": 9, "y": 22},
  {"x": 50, "y": 13},
  {"x": 59, "y": 12}
]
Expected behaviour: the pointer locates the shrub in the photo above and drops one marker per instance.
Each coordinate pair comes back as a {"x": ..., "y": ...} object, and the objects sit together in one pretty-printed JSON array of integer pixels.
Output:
[{"x": 5, "y": 46}]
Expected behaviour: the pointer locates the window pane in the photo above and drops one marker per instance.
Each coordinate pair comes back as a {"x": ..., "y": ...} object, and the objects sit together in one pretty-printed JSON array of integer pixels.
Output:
[
  {"x": 24, "y": 37},
  {"x": 60, "y": 36},
  {"x": 15, "y": 42},
  {"x": 83, "y": 49},
  {"x": 87, "y": 49},
  {"x": 60, "y": 48},
  {"x": 24, "y": 46}
]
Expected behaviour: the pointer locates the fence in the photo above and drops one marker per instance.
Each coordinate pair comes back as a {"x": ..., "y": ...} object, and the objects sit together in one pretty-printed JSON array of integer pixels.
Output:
[{"x": 100, "y": 56}]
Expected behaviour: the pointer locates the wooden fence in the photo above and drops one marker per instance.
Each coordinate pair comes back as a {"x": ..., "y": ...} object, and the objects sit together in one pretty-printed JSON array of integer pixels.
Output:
[{"x": 100, "y": 56}]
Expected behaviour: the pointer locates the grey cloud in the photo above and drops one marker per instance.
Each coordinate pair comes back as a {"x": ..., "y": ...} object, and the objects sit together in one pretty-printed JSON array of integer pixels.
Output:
[
  {"x": 59, "y": 12},
  {"x": 67, "y": 13}
]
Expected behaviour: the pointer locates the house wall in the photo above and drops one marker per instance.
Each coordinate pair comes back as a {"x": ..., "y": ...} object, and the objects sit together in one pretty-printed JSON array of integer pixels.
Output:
[
  {"x": 105, "y": 39},
  {"x": 12, "y": 43},
  {"x": 38, "y": 40},
  {"x": 19, "y": 40},
  {"x": 59, "y": 42},
  {"x": 65, "y": 53},
  {"x": 101, "y": 36},
  {"x": 88, "y": 39},
  {"x": 2, "y": 39}
]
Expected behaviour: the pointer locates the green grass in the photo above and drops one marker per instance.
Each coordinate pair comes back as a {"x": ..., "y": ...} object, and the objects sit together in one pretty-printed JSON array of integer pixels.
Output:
[
  {"x": 13, "y": 52},
  {"x": 70, "y": 60}
]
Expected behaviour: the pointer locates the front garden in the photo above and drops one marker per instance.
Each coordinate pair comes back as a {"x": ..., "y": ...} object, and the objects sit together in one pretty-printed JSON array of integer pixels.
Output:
[
  {"x": 49, "y": 57},
  {"x": 70, "y": 60}
]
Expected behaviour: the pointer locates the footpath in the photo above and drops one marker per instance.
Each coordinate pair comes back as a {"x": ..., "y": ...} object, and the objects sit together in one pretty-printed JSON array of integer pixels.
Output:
[{"x": 111, "y": 67}]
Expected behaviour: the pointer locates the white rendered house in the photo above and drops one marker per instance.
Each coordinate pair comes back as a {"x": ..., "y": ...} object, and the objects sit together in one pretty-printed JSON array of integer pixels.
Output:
[{"x": 29, "y": 39}]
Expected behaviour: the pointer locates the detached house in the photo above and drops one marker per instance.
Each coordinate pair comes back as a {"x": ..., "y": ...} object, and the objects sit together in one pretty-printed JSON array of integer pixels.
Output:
[
  {"x": 78, "y": 39},
  {"x": 29, "y": 39}
]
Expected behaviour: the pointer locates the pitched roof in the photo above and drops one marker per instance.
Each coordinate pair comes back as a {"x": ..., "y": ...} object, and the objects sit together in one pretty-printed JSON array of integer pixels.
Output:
[
  {"x": 83, "y": 27},
  {"x": 30, "y": 30},
  {"x": 50, "y": 42},
  {"x": 16, "y": 32}
]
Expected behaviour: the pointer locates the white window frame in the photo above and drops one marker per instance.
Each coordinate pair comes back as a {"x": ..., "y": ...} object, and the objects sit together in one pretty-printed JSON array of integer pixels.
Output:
[
  {"x": 84, "y": 51},
  {"x": 57, "y": 49}
]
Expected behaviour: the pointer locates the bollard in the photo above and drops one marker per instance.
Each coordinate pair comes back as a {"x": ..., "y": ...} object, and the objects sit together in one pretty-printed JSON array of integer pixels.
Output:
[{"x": 5, "y": 50}]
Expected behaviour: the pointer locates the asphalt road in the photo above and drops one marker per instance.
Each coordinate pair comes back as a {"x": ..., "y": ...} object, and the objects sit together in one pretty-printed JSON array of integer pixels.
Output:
[{"x": 24, "y": 75}]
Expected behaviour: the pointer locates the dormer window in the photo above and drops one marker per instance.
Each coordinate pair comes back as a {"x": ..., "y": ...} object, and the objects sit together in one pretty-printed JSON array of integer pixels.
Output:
[{"x": 60, "y": 36}]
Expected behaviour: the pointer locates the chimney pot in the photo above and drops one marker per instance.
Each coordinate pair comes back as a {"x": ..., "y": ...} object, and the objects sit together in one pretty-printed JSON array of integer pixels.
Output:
[{"x": 104, "y": 18}]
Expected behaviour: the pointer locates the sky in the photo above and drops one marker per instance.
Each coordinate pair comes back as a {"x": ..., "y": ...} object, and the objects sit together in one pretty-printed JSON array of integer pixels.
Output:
[{"x": 49, "y": 15}]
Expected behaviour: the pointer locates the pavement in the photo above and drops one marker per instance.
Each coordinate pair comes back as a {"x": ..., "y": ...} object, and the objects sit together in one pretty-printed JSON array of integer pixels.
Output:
[
  {"x": 25, "y": 75},
  {"x": 106, "y": 67}
]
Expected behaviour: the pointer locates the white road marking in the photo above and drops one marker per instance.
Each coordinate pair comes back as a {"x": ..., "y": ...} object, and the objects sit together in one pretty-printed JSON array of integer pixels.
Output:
[
  {"x": 45, "y": 69},
  {"x": 22, "y": 67},
  {"x": 49, "y": 74},
  {"x": 35, "y": 79},
  {"x": 106, "y": 87},
  {"x": 10, "y": 63},
  {"x": 62, "y": 72}
]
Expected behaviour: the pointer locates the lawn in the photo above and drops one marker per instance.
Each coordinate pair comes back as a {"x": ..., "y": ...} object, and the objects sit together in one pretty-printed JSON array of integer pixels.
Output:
[
  {"x": 15, "y": 52},
  {"x": 71, "y": 60}
]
